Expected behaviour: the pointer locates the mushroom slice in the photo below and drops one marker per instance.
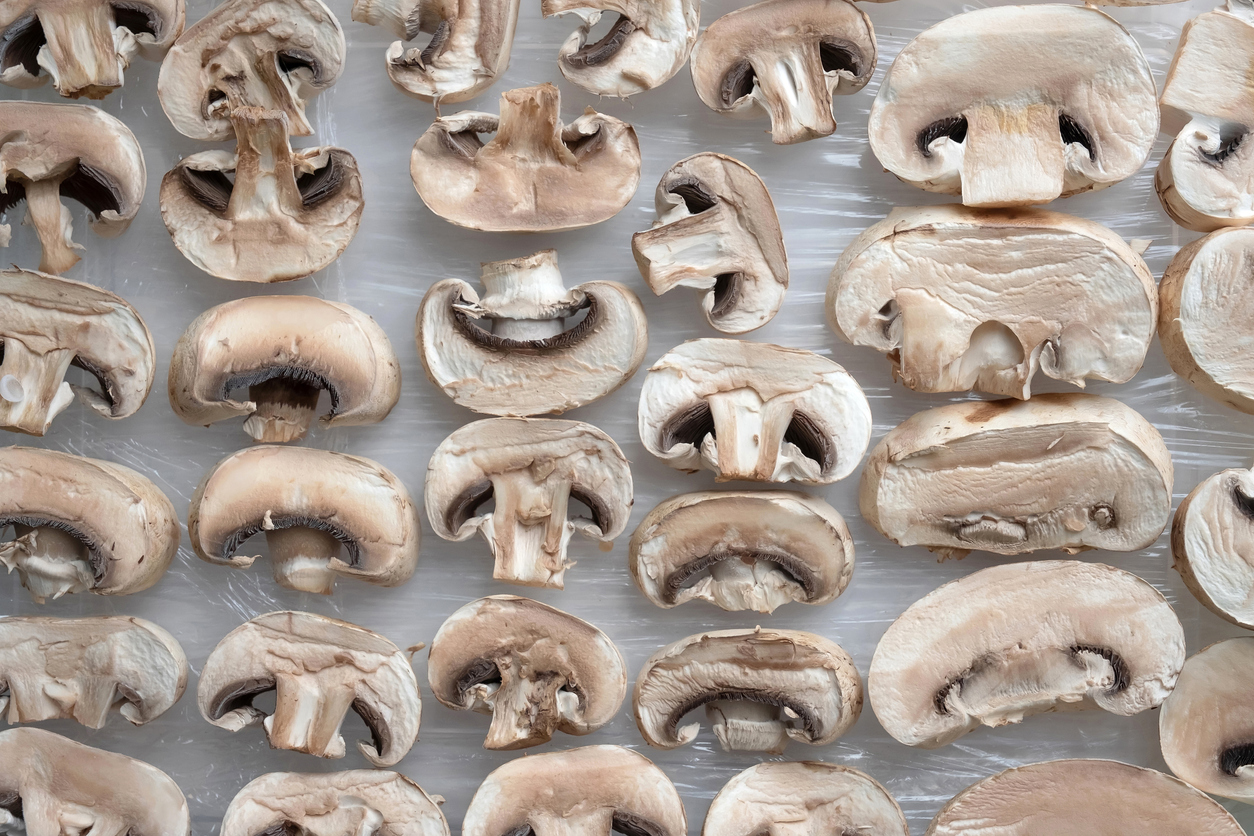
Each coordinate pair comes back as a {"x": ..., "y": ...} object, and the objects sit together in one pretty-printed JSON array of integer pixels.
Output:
[
  {"x": 1069, "y": 472},
  {"x": 717, "y": 232},
  {"x": 535, "y": 175},
  {"x": 529, "y": 469},
  {"x": 742, "y": 550},
  {"x": 534, "y": 668},
  {"x": 319, "y": 668},
  {"x": 1017, "y": 105},
  {"x": 754, "y": 411},
  {"x": 286, "y": 350},
  {"x": 82, "y": 525},
  {"x": 324, "y": 514},
  {"x": 760, "y": 688},
  {"x": 1212, "y": 536},
  {"x": 592, "y": 791},
  {"x": 787, "y": 58},
  {"x": 54, "y": 151}
]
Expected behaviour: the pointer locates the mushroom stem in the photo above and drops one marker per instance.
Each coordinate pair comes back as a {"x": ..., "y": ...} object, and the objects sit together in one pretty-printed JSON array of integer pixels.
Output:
[
  {"x": 52, "y": 223},
  {"x": 301, "y": 558},
  {"x": 285, "y": 410},
  {"x": 307, "y": 715},
  {"x": 750, "y": 435},
  {"x": 50, "y": 562},
  {"x": 80, "y": 53},
  {"x": 1009, "y": 687},
  {"x": 525, "y": 297},
  {"x": 691, "y": 251},
  {"x": 742, "y": 725},
  {"x": 795, "y": 92},
  {"x": 528, "y": 530},
  {"x": 524, "y": 711},
  {"x": 265, "y": 175},
  {"x": 530, "y": 128},
  {"x": 33, "y": 389}
]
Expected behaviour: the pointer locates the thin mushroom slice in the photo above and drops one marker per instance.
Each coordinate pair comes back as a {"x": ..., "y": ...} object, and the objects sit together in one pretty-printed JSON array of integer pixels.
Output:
[{"x": 1212, "y": 536}]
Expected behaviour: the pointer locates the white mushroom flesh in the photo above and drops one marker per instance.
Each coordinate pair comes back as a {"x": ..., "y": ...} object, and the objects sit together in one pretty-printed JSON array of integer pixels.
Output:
[{"x": 1212, "y": 544}]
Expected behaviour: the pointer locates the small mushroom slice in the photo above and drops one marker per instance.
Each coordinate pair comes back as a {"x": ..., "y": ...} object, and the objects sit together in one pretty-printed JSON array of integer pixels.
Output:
[
  {"x": 742, "y": 550},
  {"x": 510, "y": 352},
  {"x": 318, "y": 668},
  {"x": 534, "y": 668},
  {"x": 530, "y": 469},
  {"x": 760, "y": 689},
  {"x": 788, "y": 58},
  {"x": 1212, "y": 537},
  {"x": 716, "y": 232},
  {"x": 535, "y": 175}
]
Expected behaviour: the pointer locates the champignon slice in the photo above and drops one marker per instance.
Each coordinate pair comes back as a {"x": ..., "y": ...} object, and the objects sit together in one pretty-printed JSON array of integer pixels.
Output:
[
  {"x": 319, "y": 668},
  {"x": 1069, "y": 472},
  {"x": 1212, "y": 536},
  {"x": 535, "y": 175},
  {"x": 760, "y": 689},
  {"x": 788, "y": 58},
  {"x": 530, "y": 470},
  {"x": 324, "y": 514},
  {"x": 717, "y": 232},
  {"x": 1017, "y": 105}
]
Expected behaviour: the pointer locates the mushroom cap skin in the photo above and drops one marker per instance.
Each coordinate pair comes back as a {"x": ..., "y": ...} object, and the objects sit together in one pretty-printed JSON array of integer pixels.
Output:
[
  {"x": 533, "y": 668},
  {"x": 1069, "y": 472},
  {"x": 319, "y": 668},
  {"x": 1211, "y": 534},
  {"x": 83, "y": 525},
  {"x": 787, "y": 58},
  {"x": 716, "y": 232},
  {"x": 1017, "y": 105},
  {"x": 582, "y": 792},
  {"x": 535, "y": 174},
  {"x": 983, "y": 299},
  {"x": 742, "y": 550},
  {"x": 754, "y": 411},
  {"x": 760, "y": 688},
  {"x": 509, "y": 352}
]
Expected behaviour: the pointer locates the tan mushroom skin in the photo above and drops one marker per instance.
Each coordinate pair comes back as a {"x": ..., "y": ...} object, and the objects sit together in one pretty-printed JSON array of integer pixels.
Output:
[{"x": 1212, "y": 543}]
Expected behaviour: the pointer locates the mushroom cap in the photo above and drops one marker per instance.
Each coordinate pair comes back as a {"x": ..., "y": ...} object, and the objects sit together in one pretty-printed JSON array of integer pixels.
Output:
[
  {"x": 1211, "y": 534},
  {"x": 754, "y": 411},
  {"x": 1068, "y": 472},
  {"x": 742, "y": 550},
  {"x": 964, "y": 298},
  {"x": 1017, "y": 105}
]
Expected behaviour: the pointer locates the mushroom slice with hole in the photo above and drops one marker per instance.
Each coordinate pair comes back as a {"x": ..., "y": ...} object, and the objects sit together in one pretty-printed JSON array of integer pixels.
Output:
[
  {"x": 535, "y": 175},
  {"x": 1212, "y": 537},
  {"x": 760, "y": 689},
  {"x": 528, "y": 470},
  {"x": 717, "y": 232},
  {"x": 1069, "y": 472},
  {"x": 324, "y": 514},
  {"x": 754, "y": 411},
  {"x": 974, "y": 298},
  {"x": 534, "y": 668},
  {"x": 318, "y": 668},
  {"x": 742, "y": 550},
  {"x": 1017, "y": 105}
]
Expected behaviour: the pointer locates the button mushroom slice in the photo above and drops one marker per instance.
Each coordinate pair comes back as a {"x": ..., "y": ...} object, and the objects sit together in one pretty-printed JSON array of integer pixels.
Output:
[
  {"x": 318, "y": 668},
  {"x": 1212, "y": 536},
  {"x": 760, "y": 689},
  {"x": 1017, "y": 105},
  {"x": 742, "y": 550},
  {"x": 717, "y": 232},
  {"x": 754, "y": 411},
  {"x": 324, "y": 514},
  {"x": 535, "y": 175},
  {"x": 530, "y": 469}
]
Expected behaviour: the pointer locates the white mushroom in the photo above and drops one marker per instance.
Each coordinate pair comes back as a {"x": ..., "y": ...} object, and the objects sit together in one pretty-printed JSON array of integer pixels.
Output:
[{"x": 1212, "y": 537}]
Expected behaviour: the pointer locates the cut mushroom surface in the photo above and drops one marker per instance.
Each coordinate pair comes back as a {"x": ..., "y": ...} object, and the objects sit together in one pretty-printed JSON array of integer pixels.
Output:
[
  {"x": 983, "y": 299},
  {"x": 1212, "y": 541}
]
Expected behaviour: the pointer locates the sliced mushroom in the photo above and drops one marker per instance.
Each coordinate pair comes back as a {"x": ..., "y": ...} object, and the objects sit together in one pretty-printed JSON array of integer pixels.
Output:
[
  {"x": 534, "y": 668},
  {"x": 788, "y": 58},
  {"x": 760, "y": 689},
  {"x": 754, "y": 411},
  {"x": 529, "y": 469},
  {"x": 717, "y": 232},
  {"x": 54, "y": 151},
  {"x": 82, "y": 525},
  {"x": 318, "y": 668},
  {"x": 1017, "y": 105},
  {"x": 1212, "y": 536},
  {"x": 535, "y": 175},
  {"x": 1069, "y": 472},
  {"x": 324, "y": 514},
  {"x": 742, "y": 550},
  {"x": 286, "y": 350}
]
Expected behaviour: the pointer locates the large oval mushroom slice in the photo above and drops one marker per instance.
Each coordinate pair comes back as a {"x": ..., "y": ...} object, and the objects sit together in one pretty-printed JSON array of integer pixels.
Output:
[
  {"x": 742, "y": 550},
  {"x": 535, "y": 175},
  {"x": 754, "y": 411},
  {"x": 534, "y": 668},
  {"x": 1017, "y": 105},
  {"x": 760, "y": 689},
  {"x": 510, "y": 352},
  {"x": 983, "y": 299},
  {"x": 1212, "y": 538},
  {"x": 717, "y": 232},
  {"x": 1069, "y": 472}
]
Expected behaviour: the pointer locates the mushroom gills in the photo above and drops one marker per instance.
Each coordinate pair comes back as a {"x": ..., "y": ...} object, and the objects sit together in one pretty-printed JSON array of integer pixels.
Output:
[
  {"x": 51, "y": 557},
  {"x": 286, "y": 399},
  {"x": 802, "y": 442},
  {"x": 748, "y": 720},
  {"x": 742, "y": 579},
  {"x": 301, "y": 550},
  {"x": 51, "y": 219},
  {"x": 604, "y": 49},
  {"x": 621, "y": 822}
]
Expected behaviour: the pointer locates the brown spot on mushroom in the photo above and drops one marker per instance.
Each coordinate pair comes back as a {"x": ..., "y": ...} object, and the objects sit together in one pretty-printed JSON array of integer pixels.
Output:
[{"x": 595, "y": 54}]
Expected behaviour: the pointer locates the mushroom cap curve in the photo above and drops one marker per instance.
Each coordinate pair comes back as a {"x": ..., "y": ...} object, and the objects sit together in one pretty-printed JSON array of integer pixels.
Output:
[{"x": 1211, "y": 534}]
